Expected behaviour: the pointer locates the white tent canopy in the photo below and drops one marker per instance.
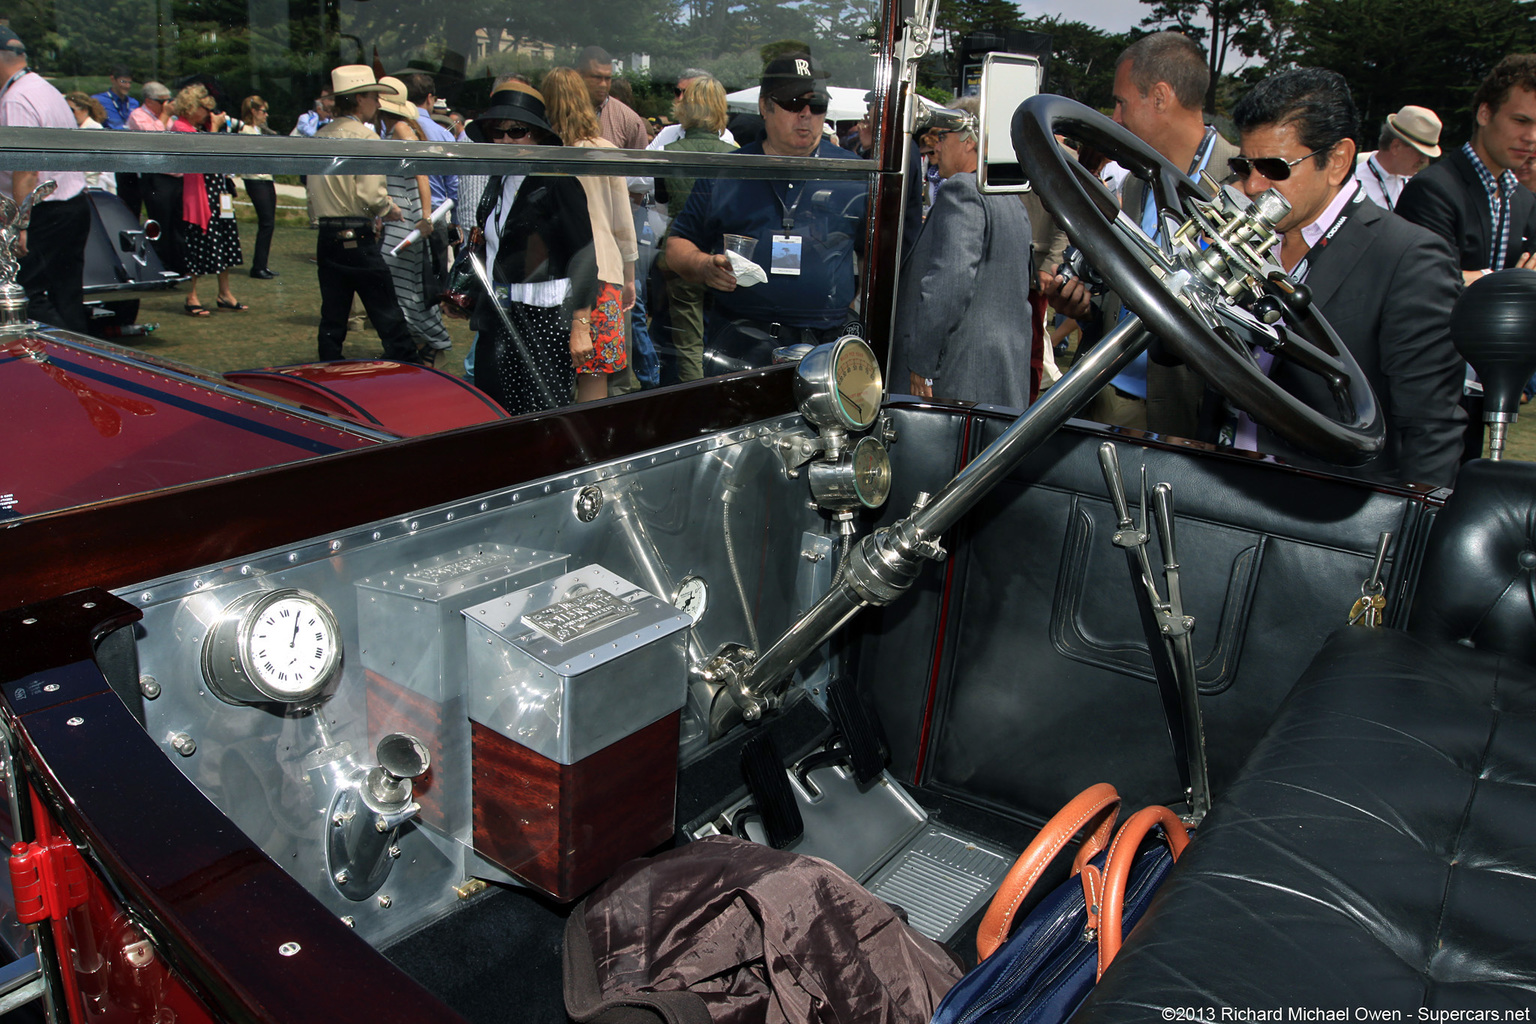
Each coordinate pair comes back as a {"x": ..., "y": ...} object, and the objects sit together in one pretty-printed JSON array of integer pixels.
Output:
[{"x": 844, "y": 104}]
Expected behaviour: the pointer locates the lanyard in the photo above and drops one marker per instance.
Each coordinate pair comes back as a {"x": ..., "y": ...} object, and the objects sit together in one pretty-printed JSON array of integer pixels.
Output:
[
  {"x": 11, "y": 81},
  {"x": 1302, "y": 268},
  {"x": 1381, "y": 180},
  {"x": 1149, "y": 219},
  {"x": 789, "y": 211}
]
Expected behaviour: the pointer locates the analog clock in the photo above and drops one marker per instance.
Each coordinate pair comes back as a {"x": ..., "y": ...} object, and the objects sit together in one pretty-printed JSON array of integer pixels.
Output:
[{"x": 273, "y": 645}]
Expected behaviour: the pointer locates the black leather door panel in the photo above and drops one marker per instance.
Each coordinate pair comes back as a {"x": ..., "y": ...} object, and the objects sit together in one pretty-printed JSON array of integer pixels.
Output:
[{"x": 1017, "y": 672}]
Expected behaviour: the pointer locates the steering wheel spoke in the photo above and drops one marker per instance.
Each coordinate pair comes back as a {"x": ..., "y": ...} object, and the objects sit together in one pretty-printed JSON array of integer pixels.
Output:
[{"x": 1207, "y": 293}]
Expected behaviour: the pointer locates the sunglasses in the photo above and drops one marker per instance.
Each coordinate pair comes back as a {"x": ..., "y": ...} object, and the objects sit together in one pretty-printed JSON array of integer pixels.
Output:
[
  {"x": 1272, "y": 167},
  {"x": 516, "y": 131},
  {"x": 678, "y": 91},
  {"x": 817, "y": 104}
]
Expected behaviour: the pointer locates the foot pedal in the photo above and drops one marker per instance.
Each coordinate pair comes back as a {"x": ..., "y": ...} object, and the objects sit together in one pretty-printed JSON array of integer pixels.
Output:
[
  {"x": 764, "y": 771},
  {"x": 861, "y": 733}
]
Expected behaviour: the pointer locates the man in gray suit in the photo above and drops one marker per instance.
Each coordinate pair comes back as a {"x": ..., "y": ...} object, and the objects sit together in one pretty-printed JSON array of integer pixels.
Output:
[
  {"x": 963, "y": 322},
  {"x": 1385, "y": 285}
]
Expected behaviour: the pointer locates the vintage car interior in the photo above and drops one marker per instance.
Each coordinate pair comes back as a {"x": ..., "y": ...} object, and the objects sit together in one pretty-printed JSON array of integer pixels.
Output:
[{"x": 344, "y": 738}]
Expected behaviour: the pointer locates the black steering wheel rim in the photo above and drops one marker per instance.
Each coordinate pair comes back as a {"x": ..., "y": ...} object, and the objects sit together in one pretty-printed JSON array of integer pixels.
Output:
[{"x": 1187, "y": 335}]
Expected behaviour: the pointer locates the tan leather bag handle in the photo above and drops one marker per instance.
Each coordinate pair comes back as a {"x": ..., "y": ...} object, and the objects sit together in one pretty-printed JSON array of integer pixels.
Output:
[
  {"x": 1117, "y": 870},
  {"x": 1094, "y": 809}
]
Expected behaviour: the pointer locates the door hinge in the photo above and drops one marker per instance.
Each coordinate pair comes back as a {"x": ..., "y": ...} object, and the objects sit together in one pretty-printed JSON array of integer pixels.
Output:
[{"x": 48, "y": 881}]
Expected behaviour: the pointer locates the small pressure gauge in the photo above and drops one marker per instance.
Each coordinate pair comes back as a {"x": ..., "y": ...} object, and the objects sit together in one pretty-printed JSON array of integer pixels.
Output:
[
  {"x": 871, "y": 472},
  {"x": 273, "y": 646},
  {"x": 860, "y": 476},
  {"x": 839, "y": 385},
  {"x": 692, "y": 597}
]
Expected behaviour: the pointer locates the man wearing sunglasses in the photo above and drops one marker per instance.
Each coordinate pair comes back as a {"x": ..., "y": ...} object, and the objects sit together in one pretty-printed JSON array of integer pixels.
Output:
[
  {"x": 806, "y": 231},
  {"x": 1386, "y": 286}
]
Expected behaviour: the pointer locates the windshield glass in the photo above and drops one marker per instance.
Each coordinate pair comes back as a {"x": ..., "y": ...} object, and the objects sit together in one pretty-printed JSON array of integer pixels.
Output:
[{"x": 710, "y": 203}]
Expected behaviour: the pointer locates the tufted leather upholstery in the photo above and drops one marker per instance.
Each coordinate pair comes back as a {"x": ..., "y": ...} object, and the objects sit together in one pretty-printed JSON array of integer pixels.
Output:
[
  {"x": 1378, "y": 849},
  {"x": 1478, "y": 583}
]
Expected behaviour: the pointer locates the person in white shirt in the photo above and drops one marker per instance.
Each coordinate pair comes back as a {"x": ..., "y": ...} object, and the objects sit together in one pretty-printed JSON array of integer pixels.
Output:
[{"x": 1410, "y": 139}]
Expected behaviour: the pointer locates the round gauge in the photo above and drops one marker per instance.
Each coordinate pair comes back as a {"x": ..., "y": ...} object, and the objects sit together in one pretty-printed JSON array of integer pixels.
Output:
[
  {"x": 859, "y": 383},
  {"x": 871, "y": 472},
  {"x": 839, "y": 385},
  {"x": 692, "y": 597},
  {"x": 273, "y": 645}
]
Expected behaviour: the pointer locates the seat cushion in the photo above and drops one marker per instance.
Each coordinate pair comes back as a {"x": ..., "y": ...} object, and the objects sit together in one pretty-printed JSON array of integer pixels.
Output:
[{"x": 1377, "y": 850}]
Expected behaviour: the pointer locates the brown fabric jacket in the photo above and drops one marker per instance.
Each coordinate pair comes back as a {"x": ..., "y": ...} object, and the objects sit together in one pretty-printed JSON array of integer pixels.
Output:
[{"x": 752, "y": 934}]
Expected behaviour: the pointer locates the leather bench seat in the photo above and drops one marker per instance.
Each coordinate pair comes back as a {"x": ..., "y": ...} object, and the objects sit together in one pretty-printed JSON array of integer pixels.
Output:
[{"x": 1378, "y": 849}]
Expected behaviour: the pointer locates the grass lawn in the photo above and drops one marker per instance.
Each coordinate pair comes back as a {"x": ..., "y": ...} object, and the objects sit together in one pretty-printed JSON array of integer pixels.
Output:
[{"x": 280, "y": 326}]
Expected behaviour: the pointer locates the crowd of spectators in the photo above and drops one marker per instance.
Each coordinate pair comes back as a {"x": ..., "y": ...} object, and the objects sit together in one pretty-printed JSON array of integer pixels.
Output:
[{"x": 588, "y": 324}]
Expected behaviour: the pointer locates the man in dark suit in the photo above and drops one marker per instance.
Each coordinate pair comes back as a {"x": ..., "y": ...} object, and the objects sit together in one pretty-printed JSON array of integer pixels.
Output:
[
  {"x": 1471, "y": 198},
  {"x": 1385, "y": 285}
]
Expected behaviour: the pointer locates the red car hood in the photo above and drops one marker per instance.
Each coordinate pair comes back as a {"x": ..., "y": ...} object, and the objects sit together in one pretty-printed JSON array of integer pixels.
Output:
[{"x": 88, "y": 424}]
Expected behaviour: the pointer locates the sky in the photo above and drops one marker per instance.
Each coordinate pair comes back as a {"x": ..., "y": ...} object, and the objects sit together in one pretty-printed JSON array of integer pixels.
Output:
[{"x": 1110, "y": 15}]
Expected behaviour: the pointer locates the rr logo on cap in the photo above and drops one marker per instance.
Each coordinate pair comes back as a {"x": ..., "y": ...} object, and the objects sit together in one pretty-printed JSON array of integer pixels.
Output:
[{"x": 802, "y": 68}]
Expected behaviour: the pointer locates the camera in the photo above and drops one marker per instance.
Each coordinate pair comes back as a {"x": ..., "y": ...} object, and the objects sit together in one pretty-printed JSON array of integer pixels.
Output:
[{"x": 1075, "y": 264}]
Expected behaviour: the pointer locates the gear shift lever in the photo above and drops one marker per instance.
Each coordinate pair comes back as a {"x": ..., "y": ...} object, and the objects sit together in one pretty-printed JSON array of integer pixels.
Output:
[{"x": 1493, "y": 325}]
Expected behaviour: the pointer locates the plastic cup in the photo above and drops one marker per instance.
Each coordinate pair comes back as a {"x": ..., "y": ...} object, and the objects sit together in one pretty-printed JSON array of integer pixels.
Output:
[{"x": 741, "y": 245}]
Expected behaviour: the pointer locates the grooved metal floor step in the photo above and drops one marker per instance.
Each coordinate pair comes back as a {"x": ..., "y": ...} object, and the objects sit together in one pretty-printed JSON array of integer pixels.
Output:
[{"x": 942, "y": 879}]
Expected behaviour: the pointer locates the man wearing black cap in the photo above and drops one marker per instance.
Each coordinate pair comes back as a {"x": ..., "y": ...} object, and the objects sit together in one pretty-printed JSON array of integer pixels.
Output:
[
  {"x": 347, "y": 256},
  {"x": 805, "y": 231},
  {"x": 52, "y": 250}
]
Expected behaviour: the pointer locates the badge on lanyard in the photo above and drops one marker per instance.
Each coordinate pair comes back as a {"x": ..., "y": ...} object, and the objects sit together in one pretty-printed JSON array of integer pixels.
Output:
[
  {"x": 226, "y": 205},
  {"x": 786, "y": 255}
]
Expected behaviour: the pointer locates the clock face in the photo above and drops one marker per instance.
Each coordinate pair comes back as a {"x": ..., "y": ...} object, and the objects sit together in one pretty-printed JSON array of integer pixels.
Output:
[
  {"x": 692, "y": 597},
  {"x": 290, "y": 646}
]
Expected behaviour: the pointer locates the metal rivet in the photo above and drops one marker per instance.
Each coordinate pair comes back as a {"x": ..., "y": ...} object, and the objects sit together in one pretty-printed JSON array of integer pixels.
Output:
[
  {"x": 385, "y": 902},
  {"x": 289, "y": 949},
  {"x": 183, "y": 744},
  {"x": 89, "y": 604},
  {"x": 51, "y": 688},
  {"x": 75, "y": 721},
  {"x": 342, "y": 878},
  {"x": 349, "y": 921},
  {"x": 335, "y": 545},
  {"x": 293, "y": 556},
  {"x": 149, "y": 686},
  {"x": 33, "y": 622}
]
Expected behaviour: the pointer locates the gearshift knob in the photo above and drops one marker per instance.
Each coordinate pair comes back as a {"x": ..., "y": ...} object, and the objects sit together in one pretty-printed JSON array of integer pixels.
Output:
[{"x": 1494, "y": 327}]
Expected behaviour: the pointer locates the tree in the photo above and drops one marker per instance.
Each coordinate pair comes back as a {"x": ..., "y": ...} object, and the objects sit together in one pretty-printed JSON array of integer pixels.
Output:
[
  {"x": 1393, "y": 52},
  {"x": 1247, "y": 26},
  {"x": 1082, "y": 64}
]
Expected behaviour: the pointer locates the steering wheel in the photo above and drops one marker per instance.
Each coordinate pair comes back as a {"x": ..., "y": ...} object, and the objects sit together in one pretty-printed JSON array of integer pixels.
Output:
[{"x": 1197, "y": 323}]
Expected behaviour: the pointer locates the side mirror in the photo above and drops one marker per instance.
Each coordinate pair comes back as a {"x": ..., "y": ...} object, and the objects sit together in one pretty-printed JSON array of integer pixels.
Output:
[{"x": 1007, "y": 79}]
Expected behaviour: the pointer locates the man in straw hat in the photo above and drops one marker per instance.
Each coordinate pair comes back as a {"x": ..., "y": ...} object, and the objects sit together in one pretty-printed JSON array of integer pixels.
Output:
[
  {"x": 1472, "y": 198},
  {"x": 347, "y": 256},
  {"x": 1410, "y": 139}
]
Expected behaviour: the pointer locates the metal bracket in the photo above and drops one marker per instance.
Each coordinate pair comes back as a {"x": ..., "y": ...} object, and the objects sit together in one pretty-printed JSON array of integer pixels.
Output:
[{"x": 795, "y": 448}]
